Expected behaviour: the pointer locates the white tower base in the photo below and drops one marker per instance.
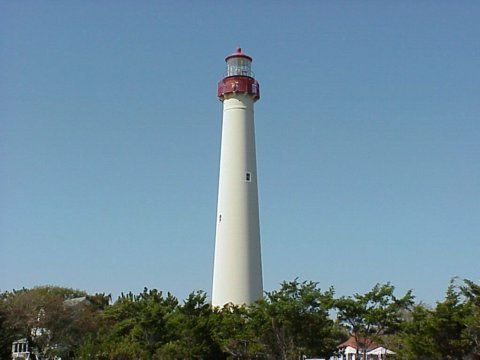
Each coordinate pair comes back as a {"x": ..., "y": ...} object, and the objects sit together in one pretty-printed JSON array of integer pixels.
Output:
[{"x": 237, "y": 274}]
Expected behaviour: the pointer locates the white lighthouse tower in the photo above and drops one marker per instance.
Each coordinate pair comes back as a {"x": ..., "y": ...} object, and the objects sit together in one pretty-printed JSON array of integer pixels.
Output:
[{"x": 237, "y": 273}]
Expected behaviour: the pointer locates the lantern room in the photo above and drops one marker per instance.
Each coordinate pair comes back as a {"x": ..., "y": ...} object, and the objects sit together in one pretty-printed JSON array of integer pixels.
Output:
[
  {"x": 239, "y": 64},
  {"x": 238, "y": 77}
]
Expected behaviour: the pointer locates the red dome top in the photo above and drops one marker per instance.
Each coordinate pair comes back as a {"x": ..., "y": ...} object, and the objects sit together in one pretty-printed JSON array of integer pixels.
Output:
[{"x": 238, "y": 53}]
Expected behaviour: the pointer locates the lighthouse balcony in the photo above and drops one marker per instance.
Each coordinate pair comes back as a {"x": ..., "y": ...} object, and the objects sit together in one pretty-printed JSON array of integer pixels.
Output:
[{"x": 238, "y": 84}]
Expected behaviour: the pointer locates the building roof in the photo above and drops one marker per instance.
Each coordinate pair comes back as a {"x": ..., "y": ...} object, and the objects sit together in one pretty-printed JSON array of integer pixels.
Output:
[
  {"x": 373, "y": 348},
  {"x": 370, "y": 344},
  {"x": 238, "y": 53},
  {"x": 76, "y": 301}
]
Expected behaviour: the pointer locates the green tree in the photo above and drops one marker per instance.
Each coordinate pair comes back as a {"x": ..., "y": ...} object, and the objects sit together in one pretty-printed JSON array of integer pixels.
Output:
[
  {"x": 6, "y": 337},
  {"x": 54, "y": 319},
  {"x": 294, "y": 321},
  {"x": 136, "y": 325},
  {"x": 471, "y": 291},
  {"x": 445, "y": 332},
  {"x": 371, "y": 315},
  {"x": 191, "y": 327},
  {"x": 236, "y": 332}
]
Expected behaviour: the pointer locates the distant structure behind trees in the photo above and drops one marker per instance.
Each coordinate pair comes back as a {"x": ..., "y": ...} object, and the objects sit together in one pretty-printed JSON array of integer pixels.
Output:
[{"x": 20, "y": 349}]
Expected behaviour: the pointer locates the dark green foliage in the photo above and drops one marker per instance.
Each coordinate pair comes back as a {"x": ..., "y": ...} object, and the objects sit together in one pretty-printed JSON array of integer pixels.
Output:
[
  {"x": 449, "y": 331},
  {"x": 370, "y": 316},
  {"x": 136, "y": 325},
  {"x": 192, "y": 327},
  {"x": 294, "y": 321},
  {"x": 471, "y": 291},
  {"x": 288, "y": 323},
  {"x": 236, "y": 332}
]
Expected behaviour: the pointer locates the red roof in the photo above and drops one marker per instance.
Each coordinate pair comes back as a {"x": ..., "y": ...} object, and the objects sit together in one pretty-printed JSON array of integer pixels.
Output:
[
  {"x": 352, "y": 343},
  {"x": 238, "y": 53}
]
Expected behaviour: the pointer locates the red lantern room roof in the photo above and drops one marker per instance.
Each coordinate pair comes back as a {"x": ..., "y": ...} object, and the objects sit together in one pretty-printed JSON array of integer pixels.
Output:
[{"x": 238, "y": 53}]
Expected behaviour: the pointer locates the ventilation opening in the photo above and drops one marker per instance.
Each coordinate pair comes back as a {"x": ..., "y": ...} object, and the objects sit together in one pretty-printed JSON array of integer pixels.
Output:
[{"x": 248, "y": 177}]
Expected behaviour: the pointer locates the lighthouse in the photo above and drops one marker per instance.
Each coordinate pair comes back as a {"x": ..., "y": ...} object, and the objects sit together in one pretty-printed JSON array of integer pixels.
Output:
[{"x": 237, "y": 271}]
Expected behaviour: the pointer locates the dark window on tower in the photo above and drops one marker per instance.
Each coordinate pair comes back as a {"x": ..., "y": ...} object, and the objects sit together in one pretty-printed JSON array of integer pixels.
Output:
[{"x": 248, "y": 177}]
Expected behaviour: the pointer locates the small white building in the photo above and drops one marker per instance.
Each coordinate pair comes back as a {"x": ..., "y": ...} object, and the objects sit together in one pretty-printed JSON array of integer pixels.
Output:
[
  {"x": 348, "y": 350},
  {"x": 20, "y": 349}
]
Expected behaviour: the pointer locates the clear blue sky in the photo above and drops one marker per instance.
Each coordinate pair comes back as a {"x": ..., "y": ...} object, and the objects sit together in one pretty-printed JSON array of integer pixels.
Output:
[{"x": 368, "y": 142}]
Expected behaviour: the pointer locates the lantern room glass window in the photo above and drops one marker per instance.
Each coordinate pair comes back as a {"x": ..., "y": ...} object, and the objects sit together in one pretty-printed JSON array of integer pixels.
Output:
[{"x": 239, "y": 66}]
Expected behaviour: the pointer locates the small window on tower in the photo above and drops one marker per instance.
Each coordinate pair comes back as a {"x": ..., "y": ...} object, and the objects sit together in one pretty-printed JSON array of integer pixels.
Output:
[{"x": 248, "y": 177}]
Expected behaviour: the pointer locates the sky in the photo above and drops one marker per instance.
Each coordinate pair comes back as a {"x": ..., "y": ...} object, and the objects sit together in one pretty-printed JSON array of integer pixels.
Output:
[{"x": 367, "y": 134}]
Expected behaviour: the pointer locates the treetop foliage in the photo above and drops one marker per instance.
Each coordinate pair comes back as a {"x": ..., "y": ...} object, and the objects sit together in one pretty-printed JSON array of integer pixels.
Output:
[{"x": 298, "y": 319}]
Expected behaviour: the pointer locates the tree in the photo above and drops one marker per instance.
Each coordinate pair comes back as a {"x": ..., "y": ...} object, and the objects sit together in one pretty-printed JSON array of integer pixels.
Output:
[
  {"x": 235, "y": 332},
  {"x": 54, "y": 319},
  {"x": 471, "y": 291},
  {"x": 376, "y": 313},
  {"x": 294, "y": 321},
  {"x": 135, "y": 325},
  {"x": 191, "y": 327},
  {"x": 449, "y": 331}
]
